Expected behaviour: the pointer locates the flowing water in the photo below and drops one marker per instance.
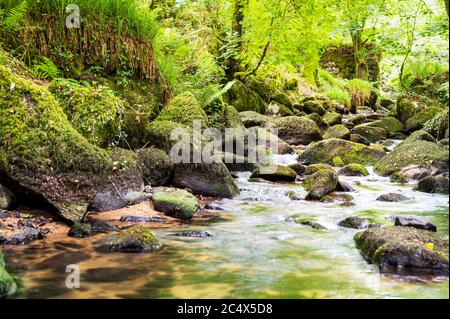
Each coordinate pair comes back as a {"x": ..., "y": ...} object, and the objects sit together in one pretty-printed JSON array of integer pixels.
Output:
[{"x": 255, "y": 252}]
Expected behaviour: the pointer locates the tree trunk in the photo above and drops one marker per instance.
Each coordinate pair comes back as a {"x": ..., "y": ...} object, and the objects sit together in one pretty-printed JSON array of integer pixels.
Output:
[
  {"x": 446, "y": 5},
  {"x": 233, "y": 64}
]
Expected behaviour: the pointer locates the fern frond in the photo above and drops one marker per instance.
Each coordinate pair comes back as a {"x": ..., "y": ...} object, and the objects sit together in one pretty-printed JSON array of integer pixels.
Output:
[
  {"x": 45, "y": 70},
  {"x": 11, "y": 22}
]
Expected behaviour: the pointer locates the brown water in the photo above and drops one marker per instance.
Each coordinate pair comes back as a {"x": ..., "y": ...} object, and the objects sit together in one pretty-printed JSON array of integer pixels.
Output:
[{"x": 255, "y": 253}]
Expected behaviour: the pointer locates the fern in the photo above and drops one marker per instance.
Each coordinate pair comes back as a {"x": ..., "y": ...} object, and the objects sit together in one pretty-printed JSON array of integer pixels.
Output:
[
  {"x": 45, "y": 69},
  {"x": 11, "y": 21}
]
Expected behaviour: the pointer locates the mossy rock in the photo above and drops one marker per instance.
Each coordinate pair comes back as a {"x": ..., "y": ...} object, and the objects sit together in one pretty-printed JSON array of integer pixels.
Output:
[
  {"x": 232, "y": 117},
  {"x": 438, "y": 126},
  {"x": 398, "y": 178},
  {"x": 267, "y": 88},
  {"x": 244, "y": 99},
  {"x": 96, "y": 112},
  {"x": 314, "y": 168},
  {"x": 338, "y": 162},
  {"x": 305, "y": 221},
  {"x": 320, "y": 184},
  {"x": 390, "y": 124},
  {"x": 359, "y": 139},
  {"x": 8, "y": 286},
  {"x": 178, "y": 203},
  {"x": 212, "y": 180},
  {"x": 158, "y": 134},
  {"x": 155, "y": 165},
  {"x": 332, "y": 118},
  {"x": 278, "y": 110},
  {"x": 80, "y": 230},
  {"x": 7, "y": 198},
  {"x": 314, "y": 106},
  {"x": 405, "y": 249},
  {"x": 405, "y": 109},
  {"x": 136, "y": 239},
  {"x": 237, "y": 163},
  {"x": 275, "y": 173},
  {"x": 337, "y": 131},
  {"x": 418, "y": 121},
  {"x": 350, "y": 152},
  {"x": 323, "y": 126},
  {"x": 283, "y": 99},
  {"x": 296, "y": 130},
  {"x": 413, "y": 151},
  {"x": 41, "y": 151},
  {"x": 184, "y": 109},
  {"x": 371, "y": 133},
  {"x": 298, "y": 168},
  {"x": 251, "y": 119},
  {"x": 354, "y": 170},
  {"x": 434, "y": 184}
]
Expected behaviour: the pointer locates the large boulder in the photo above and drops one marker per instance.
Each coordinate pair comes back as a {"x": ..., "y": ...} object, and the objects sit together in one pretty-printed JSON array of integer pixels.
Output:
[
  {"x": 434, "y": 184},
  {"x": 231, "y": 117},
  {"x": 418, "y": 121},
  {"x": 45, "y": 159},
  {"x": 418, "y": 149},
  {"x": 371, "y": 133},
  {"x": 158, "y": 134},
  {"x": 392, "y": 126},
  {"x": 354, "y": 170},
  {"x": 184, "y": 109},
  {"x": 275, "y": 173},
  {"x": 405, "y": 249},
  {"x": 213, "y": 180},
  {"x": 332, "y": 118},
  {"x": 405, "y": 109},
  {"x": 323, "y": 126},
  {"x": 296, "y": 130},
  {"x": 320, "y": 184},
  {"x": 176, "y": 202},
  {"x": 244, "y": 99},
  {"x": 350, "y": 152},
  {"x": 314, "y": 106},
  {"x": 155, "y": 165},
  {"x": 276, "y": 109},
  {"x": 337, "y": 131},
  {"x": 136, "y": 239}
]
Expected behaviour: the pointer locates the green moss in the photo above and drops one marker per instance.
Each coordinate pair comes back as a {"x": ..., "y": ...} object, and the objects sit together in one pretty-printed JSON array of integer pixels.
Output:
[
  {"x": 244, "y": 99},
  {"x": 251, "y": 119},
  {"x": 274, "y": 173},
  {"x": 180, "y": 203},
  {"x": 318, "y": 120},
  {"x": 314, "y": 106},
  {"x": 350, "y": 152},
  {"x": 372, "y": 133},
  {"x": 397, "y": 178},
  {"x": 417, "y": 121},
  {"x": 184, "y": 109},
  {"x": 266, "y": 87},
  {"x": 232, "y": 117},
  {"x": 390, "y": 124},
  {"x": 438, "y": 126},
  {"x": 314, "y": 168},
  {"x": 337, "y": 161},
  {"x": 337, "y": 131},
  {"x": 35, "y": 132},
  {"x": 8, "y": 286},
  {"x": 413, "y": 151},
  {"x": 158, "y": 134},
  {"x": 135, "y": 238},
  {"x": 354, "y": 170},
  {"x": 296, "y": 130},
  {"x": 405, "y": 109},
  {"x": 95, "y": 112},
  {"x": 320, "y": 184},
  {"x": 332, "y": 118}
]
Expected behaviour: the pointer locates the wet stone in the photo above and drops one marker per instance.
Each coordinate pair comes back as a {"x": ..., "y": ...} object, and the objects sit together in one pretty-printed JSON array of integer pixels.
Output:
[
  {"x": 194, "y": 234},
  {"x": 353, "y": 223},
  {"x": 25, "y": 236},
  {"x": 100, "y": 226},
  {"x": 137, "y": 219},
  {"x": 392, "y": 198},
  {"x": 415, "y": 222}
]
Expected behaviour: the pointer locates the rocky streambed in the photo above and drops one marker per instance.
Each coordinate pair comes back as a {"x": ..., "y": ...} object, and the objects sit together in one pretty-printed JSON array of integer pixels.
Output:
[{"x": 260, "y": 244}]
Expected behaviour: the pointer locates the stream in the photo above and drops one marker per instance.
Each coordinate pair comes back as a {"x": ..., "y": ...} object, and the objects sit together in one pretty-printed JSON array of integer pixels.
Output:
[{"x": 254, "y": 253}]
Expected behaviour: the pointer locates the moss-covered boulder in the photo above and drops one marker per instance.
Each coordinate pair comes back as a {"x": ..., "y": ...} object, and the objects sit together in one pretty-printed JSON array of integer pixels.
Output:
[
  {"x": 238, "y": 163},
  {"x": 359, "y": 139},
  {"x": 309, "y": 221},
  {"x": 320, "y": 184},
  {"x": 337, "y": 131},
  {"x": 390, "y": 124},
  {"x": 276, "y": 109},
  {"x": 7, "y": 198},
  {"x": 314, "y": 106},
  {"x": 244, "y": 99},
  {"x": 405, "y": 109},
  {"x": 354, "y": 223},
  {"x": 80, "y": 230},
  {"x": 96, "y": 112},
  {"x": 184, "y": 109},
  {"x": 213, "y": 180},
  {"x": 332, "y": 118},
  {"x": 178, "y": 203},
  {"x": 158, "y": 133},
  {"x": 251, "y": 119},
  {"x": 415, "y": 150},
  {"x": 136, "y": 239},
  {"x": 155, "y": 165},
  {"x": 434, "y": 184},
  {"x": 323, "y": 126},
  {"x": 372, "y": 133},
  {"x": 296, "y": 130},
  {"x": 418, "y": 121},
  {"x": 275, "y": 173},
  {"x": 405, "y": 249},
  {"x": 354, "y": 170},
  {"x": 350, "y": 152},
  {"x": 232, "y": 117},
  {"x": 298, "y": 168},
  {"x": 314, "y": 168},
  {"x": 44, "y": 157},
  {"x": 438, "y": 126}
]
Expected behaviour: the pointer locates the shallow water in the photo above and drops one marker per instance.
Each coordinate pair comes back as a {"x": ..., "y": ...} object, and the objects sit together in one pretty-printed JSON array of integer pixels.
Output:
[{"x": 255, "y": 253}]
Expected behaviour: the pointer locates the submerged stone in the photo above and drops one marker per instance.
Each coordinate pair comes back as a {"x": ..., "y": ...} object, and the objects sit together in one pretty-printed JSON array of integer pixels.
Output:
[
  {"x": 138, "y": 219},
  {"x": 392, "y": 197},
  {"x": 354, "y": 223},
  {"x": 80, "y": 230}
]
